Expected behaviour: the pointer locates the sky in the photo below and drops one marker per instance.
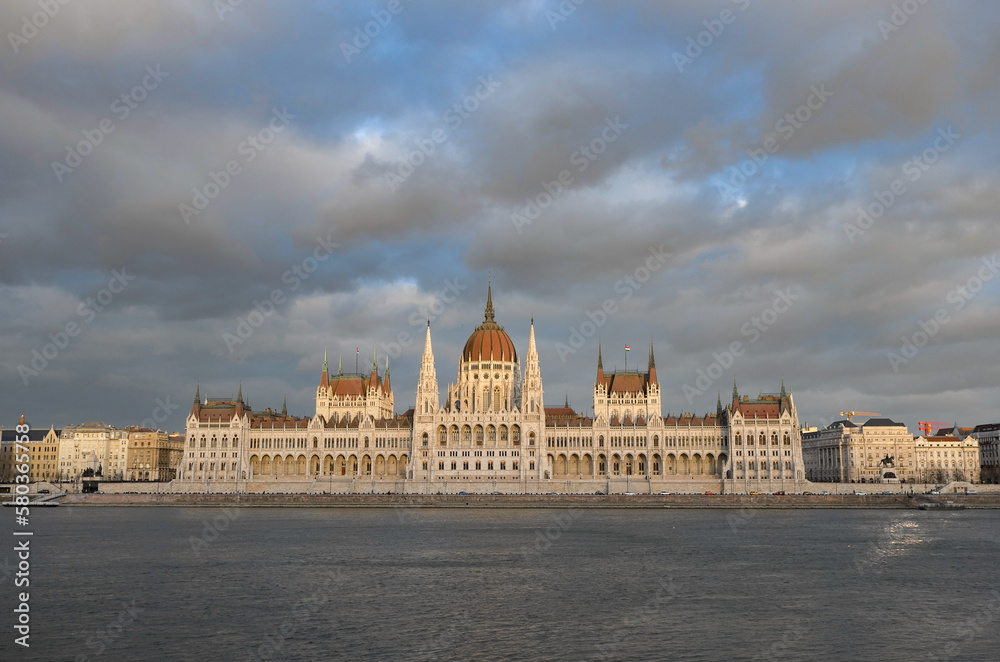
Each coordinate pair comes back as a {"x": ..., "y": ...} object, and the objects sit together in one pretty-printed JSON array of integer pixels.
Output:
[{"x": 217, "y": 193}]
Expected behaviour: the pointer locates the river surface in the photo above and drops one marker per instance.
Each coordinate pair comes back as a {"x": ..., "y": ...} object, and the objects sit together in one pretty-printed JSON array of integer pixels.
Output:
[{"x": 307, "y": 584}]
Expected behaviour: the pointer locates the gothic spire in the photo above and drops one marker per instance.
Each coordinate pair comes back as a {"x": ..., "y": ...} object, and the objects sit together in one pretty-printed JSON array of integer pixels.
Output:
[
  {"x": 284, "y": 406},
  {"x": 784, "y": 393},
  {"x": 239, "y": 395},
  {"x": 340, "y": 366},
  {"x": 736, "y": 393},
  {"x": 600, "y": 365},
  {"x": 197, "y": 394},
  {"x": 489, "y": 303}
]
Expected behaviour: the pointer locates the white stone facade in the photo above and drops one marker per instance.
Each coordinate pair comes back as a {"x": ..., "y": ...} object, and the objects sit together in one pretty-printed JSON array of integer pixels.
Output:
[{"x": 492, "y": 433}]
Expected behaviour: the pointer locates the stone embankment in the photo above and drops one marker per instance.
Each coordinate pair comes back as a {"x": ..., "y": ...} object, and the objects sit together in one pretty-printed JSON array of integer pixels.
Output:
[{"x": 536, "y": 500}]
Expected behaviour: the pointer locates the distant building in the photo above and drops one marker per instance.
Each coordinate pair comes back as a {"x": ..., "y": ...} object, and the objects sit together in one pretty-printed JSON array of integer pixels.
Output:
[
  {"x": 152, "y": 455},
  {"x": 845, "y": 452},
  {"x": 988, "y": 436},
  {"x": 43, "y": 453},
  {"x": 92, "y": 445},
  {"x": 941, "y": 459}
]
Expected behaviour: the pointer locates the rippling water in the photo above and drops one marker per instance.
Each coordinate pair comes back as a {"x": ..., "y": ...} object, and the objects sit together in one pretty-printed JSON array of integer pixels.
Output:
[{"x": 451, "y": 584}]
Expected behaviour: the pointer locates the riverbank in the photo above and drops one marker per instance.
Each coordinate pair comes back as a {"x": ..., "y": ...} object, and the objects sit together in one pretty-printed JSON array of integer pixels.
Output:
[{"x": 684, "y": 501}]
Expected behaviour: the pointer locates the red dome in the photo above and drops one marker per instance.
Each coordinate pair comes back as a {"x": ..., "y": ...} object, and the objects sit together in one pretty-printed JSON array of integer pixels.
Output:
[{"x": 489, "y": 341}]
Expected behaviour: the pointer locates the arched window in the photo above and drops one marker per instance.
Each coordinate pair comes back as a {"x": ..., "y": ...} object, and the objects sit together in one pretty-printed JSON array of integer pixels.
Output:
[
  {"x": 515, "y": 435},
  {"x": 503, "y": 434},
  {"x": 466, "y": 435},
  {"x": 442, "y": 436},
  {"x": 491, "y": 434},
  {"x": 739, "y": 438},
  {"x": 479, "y": 435}
]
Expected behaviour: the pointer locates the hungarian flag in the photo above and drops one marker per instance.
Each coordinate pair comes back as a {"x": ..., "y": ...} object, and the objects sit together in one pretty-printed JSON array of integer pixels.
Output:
[{"x": 626, "y": 348}]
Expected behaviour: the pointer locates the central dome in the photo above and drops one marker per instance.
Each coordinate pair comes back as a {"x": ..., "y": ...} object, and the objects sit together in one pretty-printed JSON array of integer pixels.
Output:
[{"x": 489, "y": 341}]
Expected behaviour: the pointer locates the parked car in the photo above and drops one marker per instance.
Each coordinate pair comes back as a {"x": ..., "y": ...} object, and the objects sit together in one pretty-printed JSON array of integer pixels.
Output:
[
  {"x": 860, "y": 493},
  {"x": 43, "y": 491},
  {"x": 780, "y": 493},
  {"x": 886, "y": 493},
  {"x": 710, "y": 493},
  {"x": 824, "y": 493},
  {"x": 935, "y": 492},
  {"x": 666, "y": 493}
]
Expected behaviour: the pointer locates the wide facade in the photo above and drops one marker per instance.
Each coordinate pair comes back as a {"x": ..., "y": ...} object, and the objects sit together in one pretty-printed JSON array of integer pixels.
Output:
[{"x": 491, "y": 433}]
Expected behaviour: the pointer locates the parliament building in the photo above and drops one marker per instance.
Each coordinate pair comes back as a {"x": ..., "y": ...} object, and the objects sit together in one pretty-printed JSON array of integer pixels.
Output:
[{"x": 491, "y": 434}]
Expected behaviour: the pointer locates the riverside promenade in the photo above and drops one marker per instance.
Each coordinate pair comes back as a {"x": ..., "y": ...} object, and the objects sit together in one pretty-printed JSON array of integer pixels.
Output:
[{"x": 648, "y": 501}]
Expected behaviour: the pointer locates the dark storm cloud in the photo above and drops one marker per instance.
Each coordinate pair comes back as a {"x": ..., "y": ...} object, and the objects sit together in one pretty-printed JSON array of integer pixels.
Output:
[{"x": 666, "y": 181}]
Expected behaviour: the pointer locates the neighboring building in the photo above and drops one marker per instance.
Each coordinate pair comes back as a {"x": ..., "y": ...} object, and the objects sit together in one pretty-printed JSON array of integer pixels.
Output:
[
  {"x": 988, "y": 436},
  {"x": 942, "y": 459},
  {"x": 491, "y": 433},
  {"x": 43, "y": 455},
  {"x": 92, "y": 445},
  {"x": 152, "y": 455},
  {"x": 845, "y": 452},
  {"x": 43, "y": 452}
]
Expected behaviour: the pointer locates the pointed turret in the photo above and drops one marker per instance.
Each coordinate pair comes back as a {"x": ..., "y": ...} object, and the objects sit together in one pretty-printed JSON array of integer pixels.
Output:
[
  {"x": 325, "y": 377},
  {"x": 736, "y": 393},
  {"x": 488, "y": 313},
  {"x": 718, "y": 404},
  {"x": 284, "y": 404},
  {"x": 239, "y": 394},
  {"x": 385, "y": 378},
  {"x": 652, "y": 364},
  {"x": 600, "y": 365},
  {"x": 784, "y": 393},
  {"x": 427, "y": 386},
  {"x": 197, "y": 393},
  {"x": 340, "y": 366},
  {"x": 531, "y": 392}
]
